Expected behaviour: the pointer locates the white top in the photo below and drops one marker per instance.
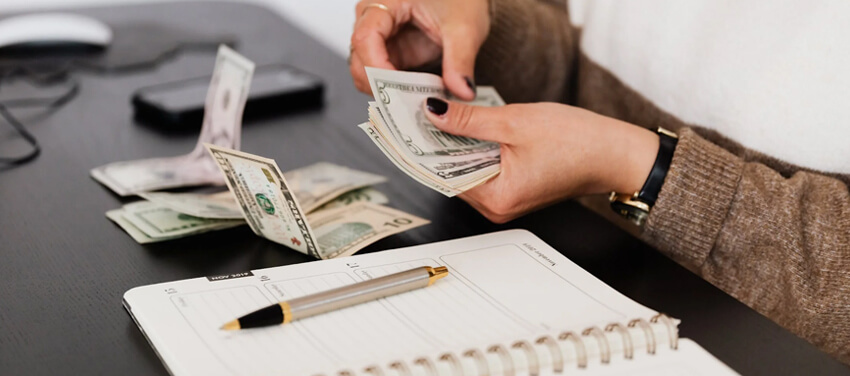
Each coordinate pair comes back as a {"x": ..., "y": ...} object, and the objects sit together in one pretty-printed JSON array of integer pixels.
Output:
[{"x": 772, "y": 76}]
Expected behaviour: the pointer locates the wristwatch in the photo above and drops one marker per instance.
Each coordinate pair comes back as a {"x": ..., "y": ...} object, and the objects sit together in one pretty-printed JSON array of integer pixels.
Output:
[{"x": 635, "y": 207}]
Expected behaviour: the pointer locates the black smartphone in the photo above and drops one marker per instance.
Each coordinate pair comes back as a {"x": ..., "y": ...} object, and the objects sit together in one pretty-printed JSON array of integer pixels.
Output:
[{"x": 275, "y": 89}]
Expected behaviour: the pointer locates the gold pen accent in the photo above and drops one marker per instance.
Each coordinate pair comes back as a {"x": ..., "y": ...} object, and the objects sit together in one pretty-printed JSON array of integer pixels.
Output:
[
  {"x": 287, "y": 312},
  {"x": 231, "y": 325},
  {"x": 436, "y": 273}
]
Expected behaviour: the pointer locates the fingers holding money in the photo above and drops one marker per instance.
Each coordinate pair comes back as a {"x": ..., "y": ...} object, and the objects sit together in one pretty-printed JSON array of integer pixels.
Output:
[
  {"x": 358, "y": 73},
  {"x": 402, "y": 34},
  {"x": 410, "y": 48},
  {"x": 550, "y": 152},
  {"x": 397, "y": 125},
  {"x": 484, "y": 123},
  {"x": 460, "y": 46},
  {"x": 373, "y": 27}
]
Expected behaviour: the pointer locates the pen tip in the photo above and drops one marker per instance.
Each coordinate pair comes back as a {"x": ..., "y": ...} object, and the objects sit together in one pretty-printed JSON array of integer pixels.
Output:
[{"x": 232, "y": 325}]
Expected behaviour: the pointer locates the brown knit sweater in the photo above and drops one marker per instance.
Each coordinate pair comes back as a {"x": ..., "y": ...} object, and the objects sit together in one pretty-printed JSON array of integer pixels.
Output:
[{"x": 773, "y": 235}]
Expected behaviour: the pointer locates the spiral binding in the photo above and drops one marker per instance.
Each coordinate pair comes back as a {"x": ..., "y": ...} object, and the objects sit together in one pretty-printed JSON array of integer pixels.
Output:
[
  {"x": 628, "y": 346},
  {"x": 401, "y": 367},
  {"x": 427, "y": 364},
  {"x": 457, "y": 369},
  {"x": 672, "y": 329},
  {"x": 505, "y": 356},
  {"x": 554, "y": 351},
  {"x": 532, "y": 354},
  {"x": 480, "y": 361},
  {"x": 374, "y": 370},
  {"x": 602, "y": 341},
  {"x": 581, "y": 352},
  {"x": 647, "y": 332}
]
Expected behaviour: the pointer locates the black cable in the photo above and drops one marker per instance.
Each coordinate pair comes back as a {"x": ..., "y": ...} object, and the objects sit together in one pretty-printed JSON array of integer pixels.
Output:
[
  {"x": 50, "y": 78},
  {"x": 49, "y": 103},
  {"x": 26, "y": 135}
]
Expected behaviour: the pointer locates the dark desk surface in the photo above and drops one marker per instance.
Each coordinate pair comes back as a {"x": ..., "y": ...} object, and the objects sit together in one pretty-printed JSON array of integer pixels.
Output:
[{"x": 65, "y": 266}]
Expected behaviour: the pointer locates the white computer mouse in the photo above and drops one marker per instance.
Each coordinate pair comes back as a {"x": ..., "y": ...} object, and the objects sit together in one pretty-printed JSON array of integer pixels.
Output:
[{"x": 53, "y": 29}]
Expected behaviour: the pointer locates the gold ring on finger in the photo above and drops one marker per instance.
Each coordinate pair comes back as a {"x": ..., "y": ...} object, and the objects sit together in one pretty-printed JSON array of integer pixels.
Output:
[{"x": 375, "y": 5}]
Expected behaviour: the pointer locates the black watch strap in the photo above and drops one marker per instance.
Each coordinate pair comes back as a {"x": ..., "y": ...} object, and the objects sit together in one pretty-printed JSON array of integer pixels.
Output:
[{"x": 666, "y": 146}]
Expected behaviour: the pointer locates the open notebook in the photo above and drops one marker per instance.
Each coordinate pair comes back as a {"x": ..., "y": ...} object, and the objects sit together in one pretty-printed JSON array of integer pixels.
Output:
[{"x": 510, "y": 305}]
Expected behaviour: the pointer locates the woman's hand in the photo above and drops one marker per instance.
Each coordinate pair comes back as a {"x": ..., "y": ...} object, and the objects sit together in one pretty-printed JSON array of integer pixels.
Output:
[
  {"x": 403, "y": 34},
  {"x": 549, "y": 152}
]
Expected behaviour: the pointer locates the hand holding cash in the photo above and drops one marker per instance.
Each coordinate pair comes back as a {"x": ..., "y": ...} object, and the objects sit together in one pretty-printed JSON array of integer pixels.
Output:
[{"x": 447, "y": 163}]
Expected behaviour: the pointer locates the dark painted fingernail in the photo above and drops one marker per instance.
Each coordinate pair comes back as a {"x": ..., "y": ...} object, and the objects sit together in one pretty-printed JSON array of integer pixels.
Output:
[
  {"x": 471, "y": 84},
  {"x": 437, "y": 106}
]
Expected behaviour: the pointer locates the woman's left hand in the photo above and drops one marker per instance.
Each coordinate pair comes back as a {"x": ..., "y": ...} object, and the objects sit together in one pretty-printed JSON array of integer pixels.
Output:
[{"x": 550, "y": 152}]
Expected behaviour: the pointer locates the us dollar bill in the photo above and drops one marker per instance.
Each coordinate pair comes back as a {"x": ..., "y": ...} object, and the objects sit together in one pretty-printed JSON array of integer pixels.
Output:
[
  {"x": 117, "y": 216},
  {"x": 399, "y": 95},
  {"x": 344, "y": 231},
  {"x": 219, "y": 205},
  {"x": 177, "y": 215},
  {"x": 403, "y": 164},
  {"x": 319, "y": 183},
  {"x": 397, "y": 124},
  {"x": 267, "y": 202},
  {"x": 270, "y": 207},
  {"x": 315, "y": 186},
  {"x": 367, "y": 194},
  {"x": 222, "y": 126},
  {"x": 148, "y": 222}
]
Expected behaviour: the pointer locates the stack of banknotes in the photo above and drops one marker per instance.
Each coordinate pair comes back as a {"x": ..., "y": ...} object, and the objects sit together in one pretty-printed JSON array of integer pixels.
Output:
[
  {"x": 447, "y": 163},
  {"x": 323, "y": 210}
]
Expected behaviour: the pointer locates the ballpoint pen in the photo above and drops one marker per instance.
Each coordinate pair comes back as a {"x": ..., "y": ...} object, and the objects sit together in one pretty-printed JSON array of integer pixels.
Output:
[{"x": 340, "y": 297}]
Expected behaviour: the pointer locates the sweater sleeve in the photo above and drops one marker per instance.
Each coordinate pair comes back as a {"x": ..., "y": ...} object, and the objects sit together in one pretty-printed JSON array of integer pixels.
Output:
[
  {"x": 531, "y": 51},
  {"x": 779, "y": 244}
]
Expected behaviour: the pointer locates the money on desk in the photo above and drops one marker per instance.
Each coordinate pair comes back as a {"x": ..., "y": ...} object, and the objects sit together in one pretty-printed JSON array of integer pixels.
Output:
[
  {"x": 225, "y": 102},
  {"x": 447, "y": 163},
  {"x": 319, "y": 183},
  {"x": 367, "y": 194},
  {"x": 170, "y": 215},
  {"x": 345, "y": 214},
  {"x": 322, "y": 184},
  {"x": 272, "y": 209},
  {"x": 149, "y": 222}
]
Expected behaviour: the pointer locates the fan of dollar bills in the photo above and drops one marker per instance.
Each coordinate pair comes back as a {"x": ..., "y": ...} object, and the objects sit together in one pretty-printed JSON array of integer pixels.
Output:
[
  {"x": 324, "y": 210},
  {"x": 447, "y": 163}
]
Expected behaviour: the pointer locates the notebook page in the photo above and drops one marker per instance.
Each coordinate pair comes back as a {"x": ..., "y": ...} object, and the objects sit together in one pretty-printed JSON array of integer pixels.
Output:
[{"x": 502, "y": 285}]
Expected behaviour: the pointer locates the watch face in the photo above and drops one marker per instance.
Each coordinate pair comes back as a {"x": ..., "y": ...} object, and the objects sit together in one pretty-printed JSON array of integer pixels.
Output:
[{"x": 632, "y": 213}]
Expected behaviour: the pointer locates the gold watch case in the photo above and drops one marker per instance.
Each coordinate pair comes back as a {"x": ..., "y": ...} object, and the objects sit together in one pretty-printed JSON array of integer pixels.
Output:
[{"x": 628, "y": 206}]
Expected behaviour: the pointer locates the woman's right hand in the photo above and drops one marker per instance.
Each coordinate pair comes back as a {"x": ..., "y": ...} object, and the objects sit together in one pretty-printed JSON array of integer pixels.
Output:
[{"x": 405, "y": 34}]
